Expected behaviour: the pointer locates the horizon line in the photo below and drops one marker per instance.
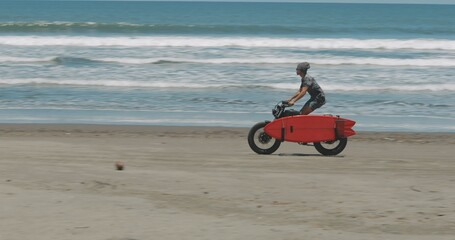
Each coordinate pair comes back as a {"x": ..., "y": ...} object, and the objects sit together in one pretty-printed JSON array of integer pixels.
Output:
[{"x": 245, "y": 1}]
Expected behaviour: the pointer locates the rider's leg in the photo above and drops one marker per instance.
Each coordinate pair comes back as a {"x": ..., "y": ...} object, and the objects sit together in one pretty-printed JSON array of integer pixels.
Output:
[
  {"x": 306, "y": 110},
  {"x": 312, "y": 104}
]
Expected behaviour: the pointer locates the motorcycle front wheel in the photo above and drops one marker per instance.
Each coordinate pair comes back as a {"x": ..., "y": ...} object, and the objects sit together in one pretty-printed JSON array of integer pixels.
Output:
[
  {"x": 330, "y": 148},
  {"x": 260, "y": 142}
]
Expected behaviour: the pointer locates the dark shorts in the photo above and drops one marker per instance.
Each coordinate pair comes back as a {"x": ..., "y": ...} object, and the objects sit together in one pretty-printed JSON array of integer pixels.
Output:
[{"x": 316, "y": 102}]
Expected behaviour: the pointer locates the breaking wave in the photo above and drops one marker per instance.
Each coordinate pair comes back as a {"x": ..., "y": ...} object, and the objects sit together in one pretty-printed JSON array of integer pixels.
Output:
[
  {"x": 136, "y": 28},
  {"x": 449, "y": 87},
  {"x": 247, "y": 42},
  {"x": 430, "y": 62}
]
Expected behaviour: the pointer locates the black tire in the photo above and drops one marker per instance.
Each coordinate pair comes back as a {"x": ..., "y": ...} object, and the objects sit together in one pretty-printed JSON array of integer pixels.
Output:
[
  {"x": 331, "y": 148},
  {"x": 260, "y": 142}
]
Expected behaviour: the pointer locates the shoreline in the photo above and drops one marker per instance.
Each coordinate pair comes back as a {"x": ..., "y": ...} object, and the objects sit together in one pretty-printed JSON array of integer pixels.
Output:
[{"x": 19, "y": 129}]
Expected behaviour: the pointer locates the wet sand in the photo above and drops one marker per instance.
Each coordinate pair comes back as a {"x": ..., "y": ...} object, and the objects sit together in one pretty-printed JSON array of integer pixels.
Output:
[{"x": 60, "y": 182}]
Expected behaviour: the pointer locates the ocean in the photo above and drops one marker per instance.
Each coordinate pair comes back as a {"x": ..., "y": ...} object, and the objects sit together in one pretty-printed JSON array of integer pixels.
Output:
[{"x": 390, "y": 67}]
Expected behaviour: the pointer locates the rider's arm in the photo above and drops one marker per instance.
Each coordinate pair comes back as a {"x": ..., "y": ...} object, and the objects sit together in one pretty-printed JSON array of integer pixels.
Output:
[
  {"x": 302, "y": 91},
  {"x": 293, "y": 96}
]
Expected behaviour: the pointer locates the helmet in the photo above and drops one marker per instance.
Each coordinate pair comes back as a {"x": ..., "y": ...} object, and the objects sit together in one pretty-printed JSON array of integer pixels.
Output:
[{"x": 303, "y": 66}]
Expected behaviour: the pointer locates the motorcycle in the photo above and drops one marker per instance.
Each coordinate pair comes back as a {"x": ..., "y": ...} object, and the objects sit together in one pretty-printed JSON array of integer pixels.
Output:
[{"x": 328, "y": 134}]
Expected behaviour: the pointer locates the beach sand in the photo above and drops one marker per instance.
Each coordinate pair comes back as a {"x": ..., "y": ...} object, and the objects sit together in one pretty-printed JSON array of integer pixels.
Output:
[{"x": 60, "y": 182}]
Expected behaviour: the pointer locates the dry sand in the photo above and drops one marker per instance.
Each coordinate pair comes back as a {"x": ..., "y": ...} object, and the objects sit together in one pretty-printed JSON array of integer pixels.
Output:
[{"x": 60, "y": 182}]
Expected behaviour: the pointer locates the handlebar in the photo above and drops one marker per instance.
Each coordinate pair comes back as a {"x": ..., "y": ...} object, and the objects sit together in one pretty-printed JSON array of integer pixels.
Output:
[
  {"x": 285, "y": 104},
  {"x": 279, "y": 109}
]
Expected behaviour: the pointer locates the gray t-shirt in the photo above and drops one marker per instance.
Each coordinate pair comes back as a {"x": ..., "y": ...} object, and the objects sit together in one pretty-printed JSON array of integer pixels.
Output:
[{"x": 313, "y": 87}]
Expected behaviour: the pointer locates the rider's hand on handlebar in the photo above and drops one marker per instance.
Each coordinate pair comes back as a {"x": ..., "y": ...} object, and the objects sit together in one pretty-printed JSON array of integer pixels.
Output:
[{"x": 287, "y": 103}]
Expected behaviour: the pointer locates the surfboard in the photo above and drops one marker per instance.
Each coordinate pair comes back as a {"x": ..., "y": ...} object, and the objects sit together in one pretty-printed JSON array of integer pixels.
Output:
[{"x": 310, "y": 128}]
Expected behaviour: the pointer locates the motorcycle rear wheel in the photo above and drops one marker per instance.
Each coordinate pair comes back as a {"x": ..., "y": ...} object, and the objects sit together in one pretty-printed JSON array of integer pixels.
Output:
[
  {"x": 260, "y": 142},
  {"x": 331, "y": 148}
]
